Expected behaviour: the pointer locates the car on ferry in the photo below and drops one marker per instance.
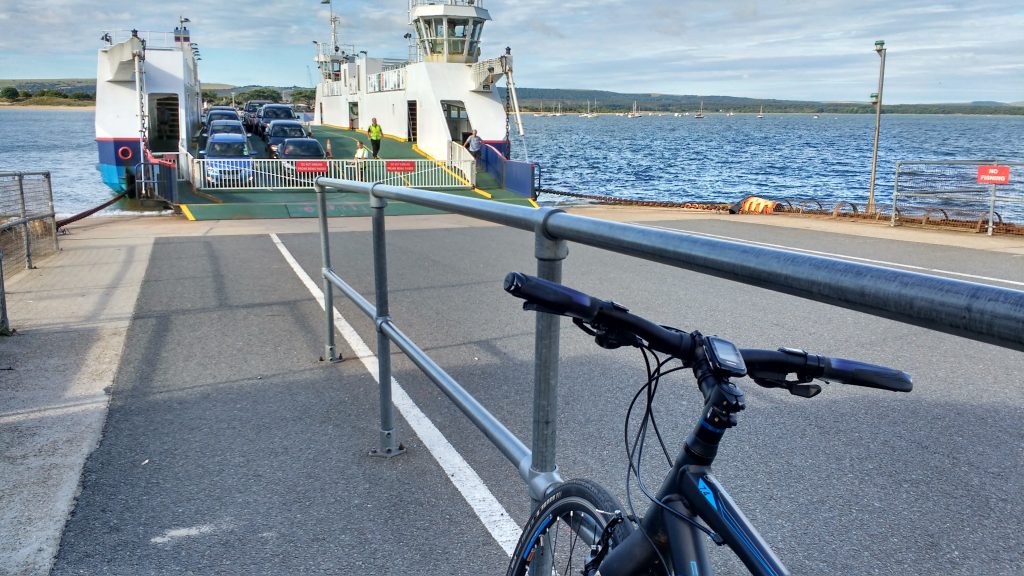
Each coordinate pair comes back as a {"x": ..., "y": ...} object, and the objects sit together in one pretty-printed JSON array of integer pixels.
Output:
[
  {"x": 249, "y": 112},
  {"x": 228, "y": 160},
  {"x": 278, "y": 130},
  {"x": 304, "y": 160},
  {"x": 270, "y": 112},
  {"x": 221, "y": 127}
]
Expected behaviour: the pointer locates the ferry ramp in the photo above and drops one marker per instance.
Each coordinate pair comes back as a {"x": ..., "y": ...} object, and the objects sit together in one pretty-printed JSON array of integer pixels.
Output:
[
  {"x": 244, "y": 203},
  {"x": 230, "y": 448}
]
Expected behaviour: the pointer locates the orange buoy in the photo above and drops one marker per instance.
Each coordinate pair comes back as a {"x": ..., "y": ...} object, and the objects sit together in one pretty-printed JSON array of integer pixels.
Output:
[{"x": 124, "y": 153}]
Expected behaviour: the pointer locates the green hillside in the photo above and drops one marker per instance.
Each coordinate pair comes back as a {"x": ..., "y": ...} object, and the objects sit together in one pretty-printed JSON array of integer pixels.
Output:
[{"x": 575, "y": 101}]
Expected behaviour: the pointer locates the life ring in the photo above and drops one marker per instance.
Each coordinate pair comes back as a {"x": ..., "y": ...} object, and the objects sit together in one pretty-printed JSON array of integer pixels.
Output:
[{"x": 124, "y": 153}]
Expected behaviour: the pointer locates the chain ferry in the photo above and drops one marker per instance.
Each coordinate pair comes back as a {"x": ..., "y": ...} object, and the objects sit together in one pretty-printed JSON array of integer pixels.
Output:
[{"x": 149, "y": 113}]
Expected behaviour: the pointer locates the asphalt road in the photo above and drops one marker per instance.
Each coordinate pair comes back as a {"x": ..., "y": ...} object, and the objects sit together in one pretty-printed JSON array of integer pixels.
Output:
[{"x": 230, "y": 449}]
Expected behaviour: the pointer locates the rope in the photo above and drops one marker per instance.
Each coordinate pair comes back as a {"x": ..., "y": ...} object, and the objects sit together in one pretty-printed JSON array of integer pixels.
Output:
[
  {"x": 90, "y": 212},
  {"x": 710, "y": 206}
]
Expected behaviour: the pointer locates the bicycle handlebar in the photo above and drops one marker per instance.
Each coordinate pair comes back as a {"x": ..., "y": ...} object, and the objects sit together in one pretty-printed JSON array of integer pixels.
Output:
[{"x": 766, "y": 367}]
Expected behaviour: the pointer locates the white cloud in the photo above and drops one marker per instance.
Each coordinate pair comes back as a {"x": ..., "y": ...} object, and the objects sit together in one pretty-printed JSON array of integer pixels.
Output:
[{"x": 763, "y": 48}]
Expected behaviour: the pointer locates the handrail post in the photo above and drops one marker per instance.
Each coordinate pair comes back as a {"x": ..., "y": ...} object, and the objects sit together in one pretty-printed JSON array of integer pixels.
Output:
[
  {"x": 53, "y": 212},
  {"x": 330, "y": 352},
  {"x": 389, "y": 445},
  {"x": 550, "y": 252},
  {"x": 27, "y": 231}
]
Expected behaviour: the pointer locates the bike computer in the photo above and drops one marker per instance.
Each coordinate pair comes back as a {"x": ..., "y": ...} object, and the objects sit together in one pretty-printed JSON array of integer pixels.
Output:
[{"x": 724, "y": 357}]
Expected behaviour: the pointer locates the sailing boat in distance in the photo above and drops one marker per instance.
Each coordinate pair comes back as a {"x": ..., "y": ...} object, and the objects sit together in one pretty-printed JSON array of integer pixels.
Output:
[
  {"x": 634, "y": 113},
  {"x": 700, "y": 113},
  {"x": 760, "y": 115}
]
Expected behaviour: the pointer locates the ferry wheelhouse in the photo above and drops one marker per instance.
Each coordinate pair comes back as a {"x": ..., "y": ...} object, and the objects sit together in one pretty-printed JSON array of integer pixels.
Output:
[{"x": 437, "y": 96}]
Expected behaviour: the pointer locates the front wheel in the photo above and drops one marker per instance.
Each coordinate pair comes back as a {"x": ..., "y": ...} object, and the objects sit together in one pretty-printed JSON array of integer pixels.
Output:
[{"x": 560, "y": 534}]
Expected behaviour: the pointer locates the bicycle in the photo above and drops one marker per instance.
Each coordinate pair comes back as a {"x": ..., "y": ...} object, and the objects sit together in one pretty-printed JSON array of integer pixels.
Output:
[{"x": 598, "y": 538}]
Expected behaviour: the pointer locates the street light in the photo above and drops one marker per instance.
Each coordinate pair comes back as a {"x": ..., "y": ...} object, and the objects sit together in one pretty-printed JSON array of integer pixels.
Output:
[{"x": 876, "y": 99}]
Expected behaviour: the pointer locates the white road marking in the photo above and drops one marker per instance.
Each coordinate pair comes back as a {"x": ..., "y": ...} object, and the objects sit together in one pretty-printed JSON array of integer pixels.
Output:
[
  {"x": 182, "y": 533},
  {"x": 495, "y": 518},
  {"x": 847, "y": 257}
]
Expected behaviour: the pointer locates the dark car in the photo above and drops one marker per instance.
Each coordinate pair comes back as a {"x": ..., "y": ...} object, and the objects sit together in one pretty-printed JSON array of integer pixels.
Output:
[
  {"x": 303, "y": 160},
  {"x": 249, "y": 112},
  {"x": 228, "y": 160},
  {"x": 214, "y": 115},
  {"x": 220, "y": 127},
  {"x": 278, "y": 130},
  {"x": 270, "y": 112}
]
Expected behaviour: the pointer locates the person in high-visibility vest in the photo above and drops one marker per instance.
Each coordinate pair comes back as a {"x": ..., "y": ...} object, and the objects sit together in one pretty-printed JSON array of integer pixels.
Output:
[{"x": 376, "y": 133}]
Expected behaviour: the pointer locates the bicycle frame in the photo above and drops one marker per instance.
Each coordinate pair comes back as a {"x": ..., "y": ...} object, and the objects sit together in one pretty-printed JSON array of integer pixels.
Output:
[{"x": 691, "y": 491}]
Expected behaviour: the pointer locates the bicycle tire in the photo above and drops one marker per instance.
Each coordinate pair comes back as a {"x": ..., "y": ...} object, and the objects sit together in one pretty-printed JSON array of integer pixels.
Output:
[{"x": 573, "y": 505}]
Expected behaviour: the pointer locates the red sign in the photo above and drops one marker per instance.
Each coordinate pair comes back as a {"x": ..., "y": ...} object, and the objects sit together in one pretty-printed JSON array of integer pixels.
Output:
[
  {"x": 310, "y": 166},
  {"x": 400, "y": 165},
  {"x": 993, "y": 174}
]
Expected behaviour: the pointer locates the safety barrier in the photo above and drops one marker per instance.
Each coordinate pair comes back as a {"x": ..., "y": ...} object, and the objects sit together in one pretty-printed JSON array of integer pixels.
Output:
[
  {"x": 261, "y": 174},
  {"x": 983, "y": 312},
  {"x": 957, "y": 193},
  {"x": 463, "y": 160},
  {"x": 513, "y": 175},
  {"x": 27, "y": 226}
]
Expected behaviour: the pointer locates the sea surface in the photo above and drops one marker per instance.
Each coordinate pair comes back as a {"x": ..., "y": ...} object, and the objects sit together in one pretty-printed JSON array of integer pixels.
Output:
[
  {"x": 718, "y": 158},
  {"x": 723, "y": 158}
]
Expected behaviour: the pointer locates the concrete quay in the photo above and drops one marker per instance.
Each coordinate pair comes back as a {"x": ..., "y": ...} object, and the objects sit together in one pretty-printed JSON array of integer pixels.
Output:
[{"x": 164, "y": 410}]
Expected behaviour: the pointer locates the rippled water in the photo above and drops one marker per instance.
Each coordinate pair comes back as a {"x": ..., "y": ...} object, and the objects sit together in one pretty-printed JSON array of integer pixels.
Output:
[
  {"x": 725, "y": 158},
  {"x": 719, "y": 158},
  {"x": 62, "y": 142}
]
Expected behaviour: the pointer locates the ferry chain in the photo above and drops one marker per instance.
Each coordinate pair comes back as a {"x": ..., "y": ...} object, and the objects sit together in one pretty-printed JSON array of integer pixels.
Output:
[{"x": 712, "y": 207}]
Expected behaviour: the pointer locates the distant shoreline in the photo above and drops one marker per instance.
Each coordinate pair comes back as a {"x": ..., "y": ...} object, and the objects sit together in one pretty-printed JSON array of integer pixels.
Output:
[{"x": 5, "y": 106}]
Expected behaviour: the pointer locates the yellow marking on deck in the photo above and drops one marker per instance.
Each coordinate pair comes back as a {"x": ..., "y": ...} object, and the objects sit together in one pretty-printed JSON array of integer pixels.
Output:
[
  {"x": 187, "y": 212},
  {"x": 483, "y": 193},
  {"x": 533, "y": 203}
]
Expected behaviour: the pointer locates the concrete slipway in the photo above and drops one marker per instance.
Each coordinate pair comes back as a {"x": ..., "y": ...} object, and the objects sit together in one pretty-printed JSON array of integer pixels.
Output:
[{"x": 164, "y": 410}]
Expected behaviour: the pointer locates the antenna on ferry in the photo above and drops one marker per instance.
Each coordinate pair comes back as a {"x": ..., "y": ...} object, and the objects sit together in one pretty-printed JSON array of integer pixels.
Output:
[{"x": 334, "y": 25}]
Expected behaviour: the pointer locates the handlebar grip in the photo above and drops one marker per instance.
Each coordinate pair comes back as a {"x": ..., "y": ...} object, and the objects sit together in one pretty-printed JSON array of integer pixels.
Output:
[
  {"x": 554, "y": 298},
  {"x": 868, "y": 375}
]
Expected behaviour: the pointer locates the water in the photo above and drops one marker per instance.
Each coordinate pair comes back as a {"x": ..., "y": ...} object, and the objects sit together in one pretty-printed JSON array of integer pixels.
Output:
[
  {"x": 726, "y": 158},
  {"x": 717, "y": 159},
  {"x": 62, "y": 142}
]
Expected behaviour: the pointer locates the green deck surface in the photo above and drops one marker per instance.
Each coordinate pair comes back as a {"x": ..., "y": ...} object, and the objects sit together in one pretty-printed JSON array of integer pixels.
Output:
[{"x": 230, "y": 204}]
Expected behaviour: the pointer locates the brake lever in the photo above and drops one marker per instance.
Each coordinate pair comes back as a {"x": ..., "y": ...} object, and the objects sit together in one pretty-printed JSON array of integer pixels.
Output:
[
  {"x": 608, "y": 339},
  {"x": 796, "y": 388}
]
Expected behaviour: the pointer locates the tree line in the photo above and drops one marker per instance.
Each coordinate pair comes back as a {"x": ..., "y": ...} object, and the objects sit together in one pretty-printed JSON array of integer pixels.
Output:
[{"x": 12, "y": 94}]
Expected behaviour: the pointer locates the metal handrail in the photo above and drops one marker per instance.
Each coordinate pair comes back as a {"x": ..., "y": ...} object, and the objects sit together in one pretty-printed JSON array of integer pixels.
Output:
[{"x": 983, "y": 312}]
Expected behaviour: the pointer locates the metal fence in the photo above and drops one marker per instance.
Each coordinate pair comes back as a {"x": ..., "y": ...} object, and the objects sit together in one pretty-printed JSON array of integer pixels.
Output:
[
  {"x": 987, "y": 313},
  {"x": 27, "y": 226},
  {"x": 513, "y": 175},
  {"x": 948, "y": 193},
  {"x": 260, "y": 174}
]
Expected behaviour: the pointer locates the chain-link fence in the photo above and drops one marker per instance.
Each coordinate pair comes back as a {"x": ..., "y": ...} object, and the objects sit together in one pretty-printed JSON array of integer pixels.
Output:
[
  {"x": 948, "y": 193},
  {"x": 27, "y": 226}
]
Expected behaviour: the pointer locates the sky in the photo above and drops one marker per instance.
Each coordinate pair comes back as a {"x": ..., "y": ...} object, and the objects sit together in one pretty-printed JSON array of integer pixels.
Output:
[{"x": 785, "y": 49}]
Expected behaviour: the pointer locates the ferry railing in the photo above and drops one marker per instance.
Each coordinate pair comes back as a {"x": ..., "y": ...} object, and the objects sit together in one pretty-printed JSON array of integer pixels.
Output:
[
  {"x": 986, "y": 313},
  {"x": 951, "y": 193},
  {"x": 259, "y": 174},
  {"x": 462, "y": 159},
  {"x": 28, "y": 227},
  {"x": 513, "y": 175}
]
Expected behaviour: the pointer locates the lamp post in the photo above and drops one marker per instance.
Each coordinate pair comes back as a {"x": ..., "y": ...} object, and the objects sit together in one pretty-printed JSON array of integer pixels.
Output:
[{"x": 876, "y": 99}]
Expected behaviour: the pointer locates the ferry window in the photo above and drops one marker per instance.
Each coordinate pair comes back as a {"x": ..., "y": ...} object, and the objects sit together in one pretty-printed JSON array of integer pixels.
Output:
[
  {"x": 457, "y": 27},
  {"x": 478, "y": 26},
  {"x": 438, "y": 28}
]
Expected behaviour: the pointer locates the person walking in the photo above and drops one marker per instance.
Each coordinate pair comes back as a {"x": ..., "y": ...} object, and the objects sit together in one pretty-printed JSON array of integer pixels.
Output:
[
  {"x": 361, "y": 154},
  {"x": 376, "y": 133},
  {"x": 474, "y": 144}
]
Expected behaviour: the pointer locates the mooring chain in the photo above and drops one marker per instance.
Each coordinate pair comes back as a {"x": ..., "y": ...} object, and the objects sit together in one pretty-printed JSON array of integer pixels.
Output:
[{"x": 714, "y": 207}]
